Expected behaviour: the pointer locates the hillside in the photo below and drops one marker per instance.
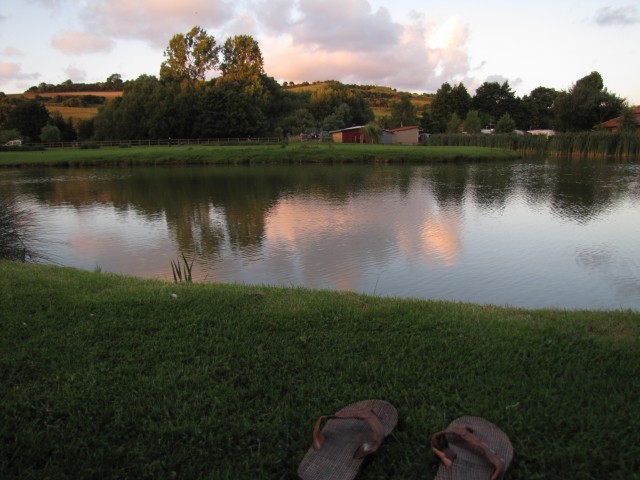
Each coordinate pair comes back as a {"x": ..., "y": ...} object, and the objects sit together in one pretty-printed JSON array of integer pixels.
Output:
[
  {"x": 379, "y": 97},
  {"x": 75, "y": 105},
  {"x": 83, "y": 105}
]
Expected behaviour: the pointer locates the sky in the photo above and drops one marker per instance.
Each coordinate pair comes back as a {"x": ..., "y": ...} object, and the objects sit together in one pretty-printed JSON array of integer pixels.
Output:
[{"x": 410, "y": 45}]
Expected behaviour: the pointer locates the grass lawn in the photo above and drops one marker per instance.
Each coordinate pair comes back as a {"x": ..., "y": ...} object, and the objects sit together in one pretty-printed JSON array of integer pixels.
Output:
[
  {"x": 293, "y": 153},
  {"x": 115, "y": 377}
]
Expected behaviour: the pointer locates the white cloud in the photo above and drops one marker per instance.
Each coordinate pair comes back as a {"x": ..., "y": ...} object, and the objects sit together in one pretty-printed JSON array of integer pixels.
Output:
[
  {"x": 78, "y": 43},
  {"x": 609, "y": 16},
  {"x": 12, "y": 52},
  {"x": 77, "y": 75}
]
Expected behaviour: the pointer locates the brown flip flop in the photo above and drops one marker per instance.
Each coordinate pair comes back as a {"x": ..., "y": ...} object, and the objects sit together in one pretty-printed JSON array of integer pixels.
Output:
[
  {"x": 472, "y": 448},
  {"x": 348, "y": 437}
]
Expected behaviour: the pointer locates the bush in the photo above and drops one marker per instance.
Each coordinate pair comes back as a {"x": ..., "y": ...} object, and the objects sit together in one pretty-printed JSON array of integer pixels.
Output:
[
  {"x": 50, "y": 134},
  {"x": 505, "y": 124}
]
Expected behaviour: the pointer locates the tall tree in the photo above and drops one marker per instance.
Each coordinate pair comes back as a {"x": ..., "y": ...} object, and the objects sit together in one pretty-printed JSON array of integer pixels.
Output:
[
  {"x": 242, "y": 60},
  {"x": 628, "y": 122},
  {"x": 586, "y": 104},
  {"x": 425, "y": 121},
  {"x": 50, "y": 134},
  {"x": 472, "y": 123},
  {"x": 493, "y": 100},
  {"x": 505, "y": 124},
  {"x": 460, "y": 100},
  {"x": 454, "y": 123},
  {"x": 5, "y": 108},
  {"x": 403, "y": 112},
  {"x": 114, "y": 82},
  {"x": 189, "y": 56},
  {"x": 28, "y": 116},
  {"x": 441, "y": 108},
  {"x": 538, "y": 108}
]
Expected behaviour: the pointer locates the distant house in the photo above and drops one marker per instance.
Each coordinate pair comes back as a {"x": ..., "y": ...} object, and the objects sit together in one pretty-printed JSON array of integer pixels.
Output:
[
  {"x": 349, "y": 135},
  {"x": 613, "y": 124},
  {"x": 387, "y": 137},
  {"x": 395, "y": 136},
  {"x": 406, "y": 135}
]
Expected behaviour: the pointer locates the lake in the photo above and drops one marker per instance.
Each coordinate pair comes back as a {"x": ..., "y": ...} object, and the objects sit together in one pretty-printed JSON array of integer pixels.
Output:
[{"x": 530, "y": 233}]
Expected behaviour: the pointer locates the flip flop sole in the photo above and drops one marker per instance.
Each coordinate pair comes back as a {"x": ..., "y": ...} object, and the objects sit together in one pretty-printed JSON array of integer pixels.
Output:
[
  {"x": 470, "y": 464},
  {"x": 342, "y": 438}
]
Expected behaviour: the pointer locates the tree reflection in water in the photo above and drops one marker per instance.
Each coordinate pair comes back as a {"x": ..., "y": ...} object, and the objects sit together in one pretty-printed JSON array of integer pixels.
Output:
[{"x": 495, "y": 232}]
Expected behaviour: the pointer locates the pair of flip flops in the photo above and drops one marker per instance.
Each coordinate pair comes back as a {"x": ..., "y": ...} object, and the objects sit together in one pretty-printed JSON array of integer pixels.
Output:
[{"x": 471, "y": 448}]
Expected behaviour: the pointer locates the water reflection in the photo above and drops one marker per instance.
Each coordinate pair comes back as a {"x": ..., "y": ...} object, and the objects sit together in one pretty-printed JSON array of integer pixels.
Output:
[{"x": 485, "y": 232}]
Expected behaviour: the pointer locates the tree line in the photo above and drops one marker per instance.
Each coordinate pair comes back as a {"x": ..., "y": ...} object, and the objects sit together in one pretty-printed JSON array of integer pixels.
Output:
[
  {"x": 243, "y": 101},
  {"x": 582, "y": 107},
  {"x": 113, "y": 83}
]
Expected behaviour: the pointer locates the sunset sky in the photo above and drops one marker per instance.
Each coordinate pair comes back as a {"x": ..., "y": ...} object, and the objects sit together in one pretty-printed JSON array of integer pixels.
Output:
[{"x": 406, "y": 44}]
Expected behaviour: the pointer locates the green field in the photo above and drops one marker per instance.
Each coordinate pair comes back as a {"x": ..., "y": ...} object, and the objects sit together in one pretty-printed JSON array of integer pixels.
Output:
[
  {"x": 115, "y": 377},
  {"x": 293, "y": 153},
  {"x": 75, "y": 113}
]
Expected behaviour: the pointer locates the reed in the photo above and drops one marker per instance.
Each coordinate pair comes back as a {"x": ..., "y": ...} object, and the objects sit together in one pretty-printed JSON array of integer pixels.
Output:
[
  {"x": 182, "y": 270},
  {"x": 579, "y": 144},
  {"x": 14, "y": 223}
]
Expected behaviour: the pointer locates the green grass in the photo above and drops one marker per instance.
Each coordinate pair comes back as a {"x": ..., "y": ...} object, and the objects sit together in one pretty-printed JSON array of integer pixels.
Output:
[
  {"x": 114, "y": 377},
  {"x": 293, "y": 153}
]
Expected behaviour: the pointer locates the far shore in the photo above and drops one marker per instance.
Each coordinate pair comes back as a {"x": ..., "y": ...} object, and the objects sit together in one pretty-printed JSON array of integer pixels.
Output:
[{"x": 258, "y": 154}]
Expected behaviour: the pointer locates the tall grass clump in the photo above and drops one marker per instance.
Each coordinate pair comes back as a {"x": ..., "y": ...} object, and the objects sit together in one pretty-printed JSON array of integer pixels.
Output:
[
  {"x": 182, "y": 270},
  {"x": 510, "y": 141},
  {"x": 595, "y": 144},
  {"x": 623, "y": 145},
  {"x": 14, "y": 227}
]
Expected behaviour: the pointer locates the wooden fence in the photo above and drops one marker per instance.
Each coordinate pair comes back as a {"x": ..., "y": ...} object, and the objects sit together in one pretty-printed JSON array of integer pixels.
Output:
[{"x": 167, "y": 142}]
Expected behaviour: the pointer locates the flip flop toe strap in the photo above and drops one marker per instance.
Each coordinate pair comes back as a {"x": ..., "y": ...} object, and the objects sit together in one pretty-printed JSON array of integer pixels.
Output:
[
  {"x": 368, "y": 416},
  {"x": 466, "y": 434}
]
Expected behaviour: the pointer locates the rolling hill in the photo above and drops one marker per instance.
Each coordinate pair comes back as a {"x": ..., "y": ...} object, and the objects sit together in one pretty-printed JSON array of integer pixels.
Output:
[{"x": 380, "y": 98}]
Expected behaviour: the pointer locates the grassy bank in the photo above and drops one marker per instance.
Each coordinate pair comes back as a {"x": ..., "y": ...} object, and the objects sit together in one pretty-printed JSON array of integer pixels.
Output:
[
  {"x": 115, "y": 377},
  {"x": 293, "y": 153}
]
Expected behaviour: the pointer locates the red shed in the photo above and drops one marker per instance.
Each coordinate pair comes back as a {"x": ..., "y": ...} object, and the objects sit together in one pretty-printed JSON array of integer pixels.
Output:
[{"x": 349, "y": 135}]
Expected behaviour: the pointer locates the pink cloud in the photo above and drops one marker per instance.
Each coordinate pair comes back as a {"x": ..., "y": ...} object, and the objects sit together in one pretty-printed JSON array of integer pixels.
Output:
[
  {"x": 9, "y": 70},
  {"x": 155, "y": 20},
  {"x": 13, "y": 71},
  {"x": 407, "y": 62},
  {"x": 330, "y": 24},
  {"x": 78, "y": 43}
]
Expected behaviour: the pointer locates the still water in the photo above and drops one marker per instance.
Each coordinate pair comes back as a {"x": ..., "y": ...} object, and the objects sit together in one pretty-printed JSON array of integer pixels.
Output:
[{"x": 532, "y": 233}]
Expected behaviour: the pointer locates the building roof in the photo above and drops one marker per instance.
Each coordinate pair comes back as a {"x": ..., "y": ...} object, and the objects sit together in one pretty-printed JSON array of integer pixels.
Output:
[
  {"x": 401, "y": 129},
  {"x": 346, "y": 129},
  {"x": 615, "y": 122}
]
